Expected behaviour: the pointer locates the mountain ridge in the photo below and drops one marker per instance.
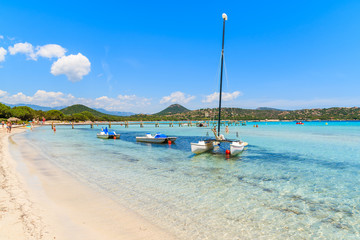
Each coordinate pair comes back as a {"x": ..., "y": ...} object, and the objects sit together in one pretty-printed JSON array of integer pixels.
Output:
[{"x": 44, "y": 108}]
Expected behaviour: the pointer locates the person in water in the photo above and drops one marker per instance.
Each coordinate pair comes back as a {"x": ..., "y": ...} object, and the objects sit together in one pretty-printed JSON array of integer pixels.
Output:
[{"x": 227, "y": 129}]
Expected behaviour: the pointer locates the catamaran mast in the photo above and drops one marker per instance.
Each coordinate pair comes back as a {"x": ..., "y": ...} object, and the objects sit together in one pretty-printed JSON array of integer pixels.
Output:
[{"x": 224, "y": 16}]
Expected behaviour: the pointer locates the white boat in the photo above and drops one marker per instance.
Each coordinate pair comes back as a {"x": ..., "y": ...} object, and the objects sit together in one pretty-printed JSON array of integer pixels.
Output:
[
  {"x": 202, "y": 146},
  {"x": 236, "y": 146},
  {"x": 157, "y": 138},
  {"x": 112, "y": 135},
  {"x": 105, "y": 134}
]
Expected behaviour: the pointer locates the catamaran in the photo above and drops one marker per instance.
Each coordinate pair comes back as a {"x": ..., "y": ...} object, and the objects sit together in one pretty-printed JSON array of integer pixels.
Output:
[{"x": 236, "y": 146}]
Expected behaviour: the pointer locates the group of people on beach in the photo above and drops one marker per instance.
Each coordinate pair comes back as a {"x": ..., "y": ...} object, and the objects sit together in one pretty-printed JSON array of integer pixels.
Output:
[{"x": 8, "y": 126}]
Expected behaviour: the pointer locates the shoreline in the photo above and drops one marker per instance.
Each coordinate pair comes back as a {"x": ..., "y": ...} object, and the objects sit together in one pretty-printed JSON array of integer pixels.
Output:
[
  {"x": 20, "y": 217},
  {"x": 69, "y": 209}
]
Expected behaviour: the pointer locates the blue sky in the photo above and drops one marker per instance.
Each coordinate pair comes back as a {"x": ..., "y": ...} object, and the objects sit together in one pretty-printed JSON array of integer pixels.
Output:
[{"x": 142, "y": 56}]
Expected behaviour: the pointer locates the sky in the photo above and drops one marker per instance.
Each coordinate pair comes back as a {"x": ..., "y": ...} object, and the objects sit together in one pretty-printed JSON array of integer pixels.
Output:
[{"x": 142, "y": 56}]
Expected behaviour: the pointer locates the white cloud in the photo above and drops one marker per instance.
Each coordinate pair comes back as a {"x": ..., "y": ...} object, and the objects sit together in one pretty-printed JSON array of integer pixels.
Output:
[
  {"x": 50, "y": 51},
  {"x": 24, "y": 48},
  {"x": 1, "y": 37},
  {"x": 73, "y": 66},
  {"x": 225, "y": 96},
  {"x": 3, "y": 93},
  {"x": 177, "y": 97},
  {"x": 3, "y": 52},
  {"x": 47, "y": 51},
  {"x": 121, "y": 102},
  {"x": 55, "y": 99}
]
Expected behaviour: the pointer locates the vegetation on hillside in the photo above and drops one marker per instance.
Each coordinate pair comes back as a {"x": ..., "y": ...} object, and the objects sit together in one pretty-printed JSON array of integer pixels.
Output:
[
  {"x": 173, "y": 109},
  {"x": 83, "y": 113},
  {"x": 78, "y": 108}
]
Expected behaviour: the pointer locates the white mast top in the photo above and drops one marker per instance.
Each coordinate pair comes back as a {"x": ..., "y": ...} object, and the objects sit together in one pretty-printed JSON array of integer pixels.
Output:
[{"x": 224, "y": 16}]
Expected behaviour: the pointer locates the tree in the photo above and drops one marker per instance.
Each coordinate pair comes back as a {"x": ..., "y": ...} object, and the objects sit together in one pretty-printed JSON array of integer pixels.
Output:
[
  {"x": 79, "y": 117},
  {"x": 4, "y": 111},
  {"x": 23, "y": 112},
  {"x": 89, "y": 115},
  {"x": 54, "y": 115}
]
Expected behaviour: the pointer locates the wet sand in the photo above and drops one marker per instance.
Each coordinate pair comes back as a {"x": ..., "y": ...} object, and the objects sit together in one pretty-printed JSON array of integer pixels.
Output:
[{"x": 40, "y": 201}]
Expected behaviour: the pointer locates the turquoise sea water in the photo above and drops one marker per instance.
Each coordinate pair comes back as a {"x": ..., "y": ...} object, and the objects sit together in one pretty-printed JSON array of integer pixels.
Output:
[{"x": 292, "y": 182}]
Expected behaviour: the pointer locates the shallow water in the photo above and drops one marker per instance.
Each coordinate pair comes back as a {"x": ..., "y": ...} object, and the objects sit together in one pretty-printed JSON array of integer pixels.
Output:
[{"x": 292, "y": 181}]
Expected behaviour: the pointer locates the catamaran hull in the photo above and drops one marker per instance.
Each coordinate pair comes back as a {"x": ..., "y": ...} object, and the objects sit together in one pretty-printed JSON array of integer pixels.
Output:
[
  {"x": 236, "y": 148},
  {"x": 106, "y": 136},
  {"x": 198, "y": 148}
]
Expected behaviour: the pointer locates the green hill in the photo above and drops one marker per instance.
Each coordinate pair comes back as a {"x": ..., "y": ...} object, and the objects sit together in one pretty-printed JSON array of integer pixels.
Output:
[
  {"x": 78, "y": 108},
  {"x": 173, "y": 109}
]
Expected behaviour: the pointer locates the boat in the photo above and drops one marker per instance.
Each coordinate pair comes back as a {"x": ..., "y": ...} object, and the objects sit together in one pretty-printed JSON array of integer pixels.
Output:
[
  {"x": 157, "y": 138},
  {"x": 202, "y": 146},
  {"x": 105, "y": 134},
  {"x": 201, "y": 124},
  {"x": 236, "y": 146}
]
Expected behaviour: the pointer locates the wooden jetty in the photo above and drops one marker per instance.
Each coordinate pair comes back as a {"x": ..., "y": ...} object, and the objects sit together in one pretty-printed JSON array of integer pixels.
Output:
[{"x": 126, "y": 124}]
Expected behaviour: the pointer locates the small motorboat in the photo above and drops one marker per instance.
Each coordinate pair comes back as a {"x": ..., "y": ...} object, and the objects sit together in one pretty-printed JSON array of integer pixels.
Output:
[
  {"x": 105, "y": 134},
  {"x": 157, "y": 138}
]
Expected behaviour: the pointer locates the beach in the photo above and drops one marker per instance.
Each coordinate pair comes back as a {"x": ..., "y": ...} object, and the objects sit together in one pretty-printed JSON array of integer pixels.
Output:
[
  {"x": 20, "y": 218},
  {"x": 39, "y": 201}
]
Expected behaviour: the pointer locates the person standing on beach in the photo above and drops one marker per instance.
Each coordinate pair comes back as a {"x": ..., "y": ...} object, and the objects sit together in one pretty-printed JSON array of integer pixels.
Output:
[{"x": 8, "y": 127}]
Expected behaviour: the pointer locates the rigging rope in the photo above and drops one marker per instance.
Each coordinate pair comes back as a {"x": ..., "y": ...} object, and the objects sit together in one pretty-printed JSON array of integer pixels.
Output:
[{"x": 226, "y": 75}]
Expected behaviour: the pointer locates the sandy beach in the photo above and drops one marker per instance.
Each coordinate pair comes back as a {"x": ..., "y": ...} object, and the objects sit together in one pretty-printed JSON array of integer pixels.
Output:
[{"x": 40, "y": 201}]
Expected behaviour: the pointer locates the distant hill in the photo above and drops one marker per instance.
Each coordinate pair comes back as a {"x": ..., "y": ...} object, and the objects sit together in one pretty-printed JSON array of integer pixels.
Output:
[
  {"x": 268, "y": 108},
  {"x": 114, "y": 112},
  {"x": 173, "y": 109},
  {"x": 35, "y": 107},
  {"x": 78, "y": 108},
  {"x": 42, "y": 108},
  {"x": 336, "y": 113}
]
